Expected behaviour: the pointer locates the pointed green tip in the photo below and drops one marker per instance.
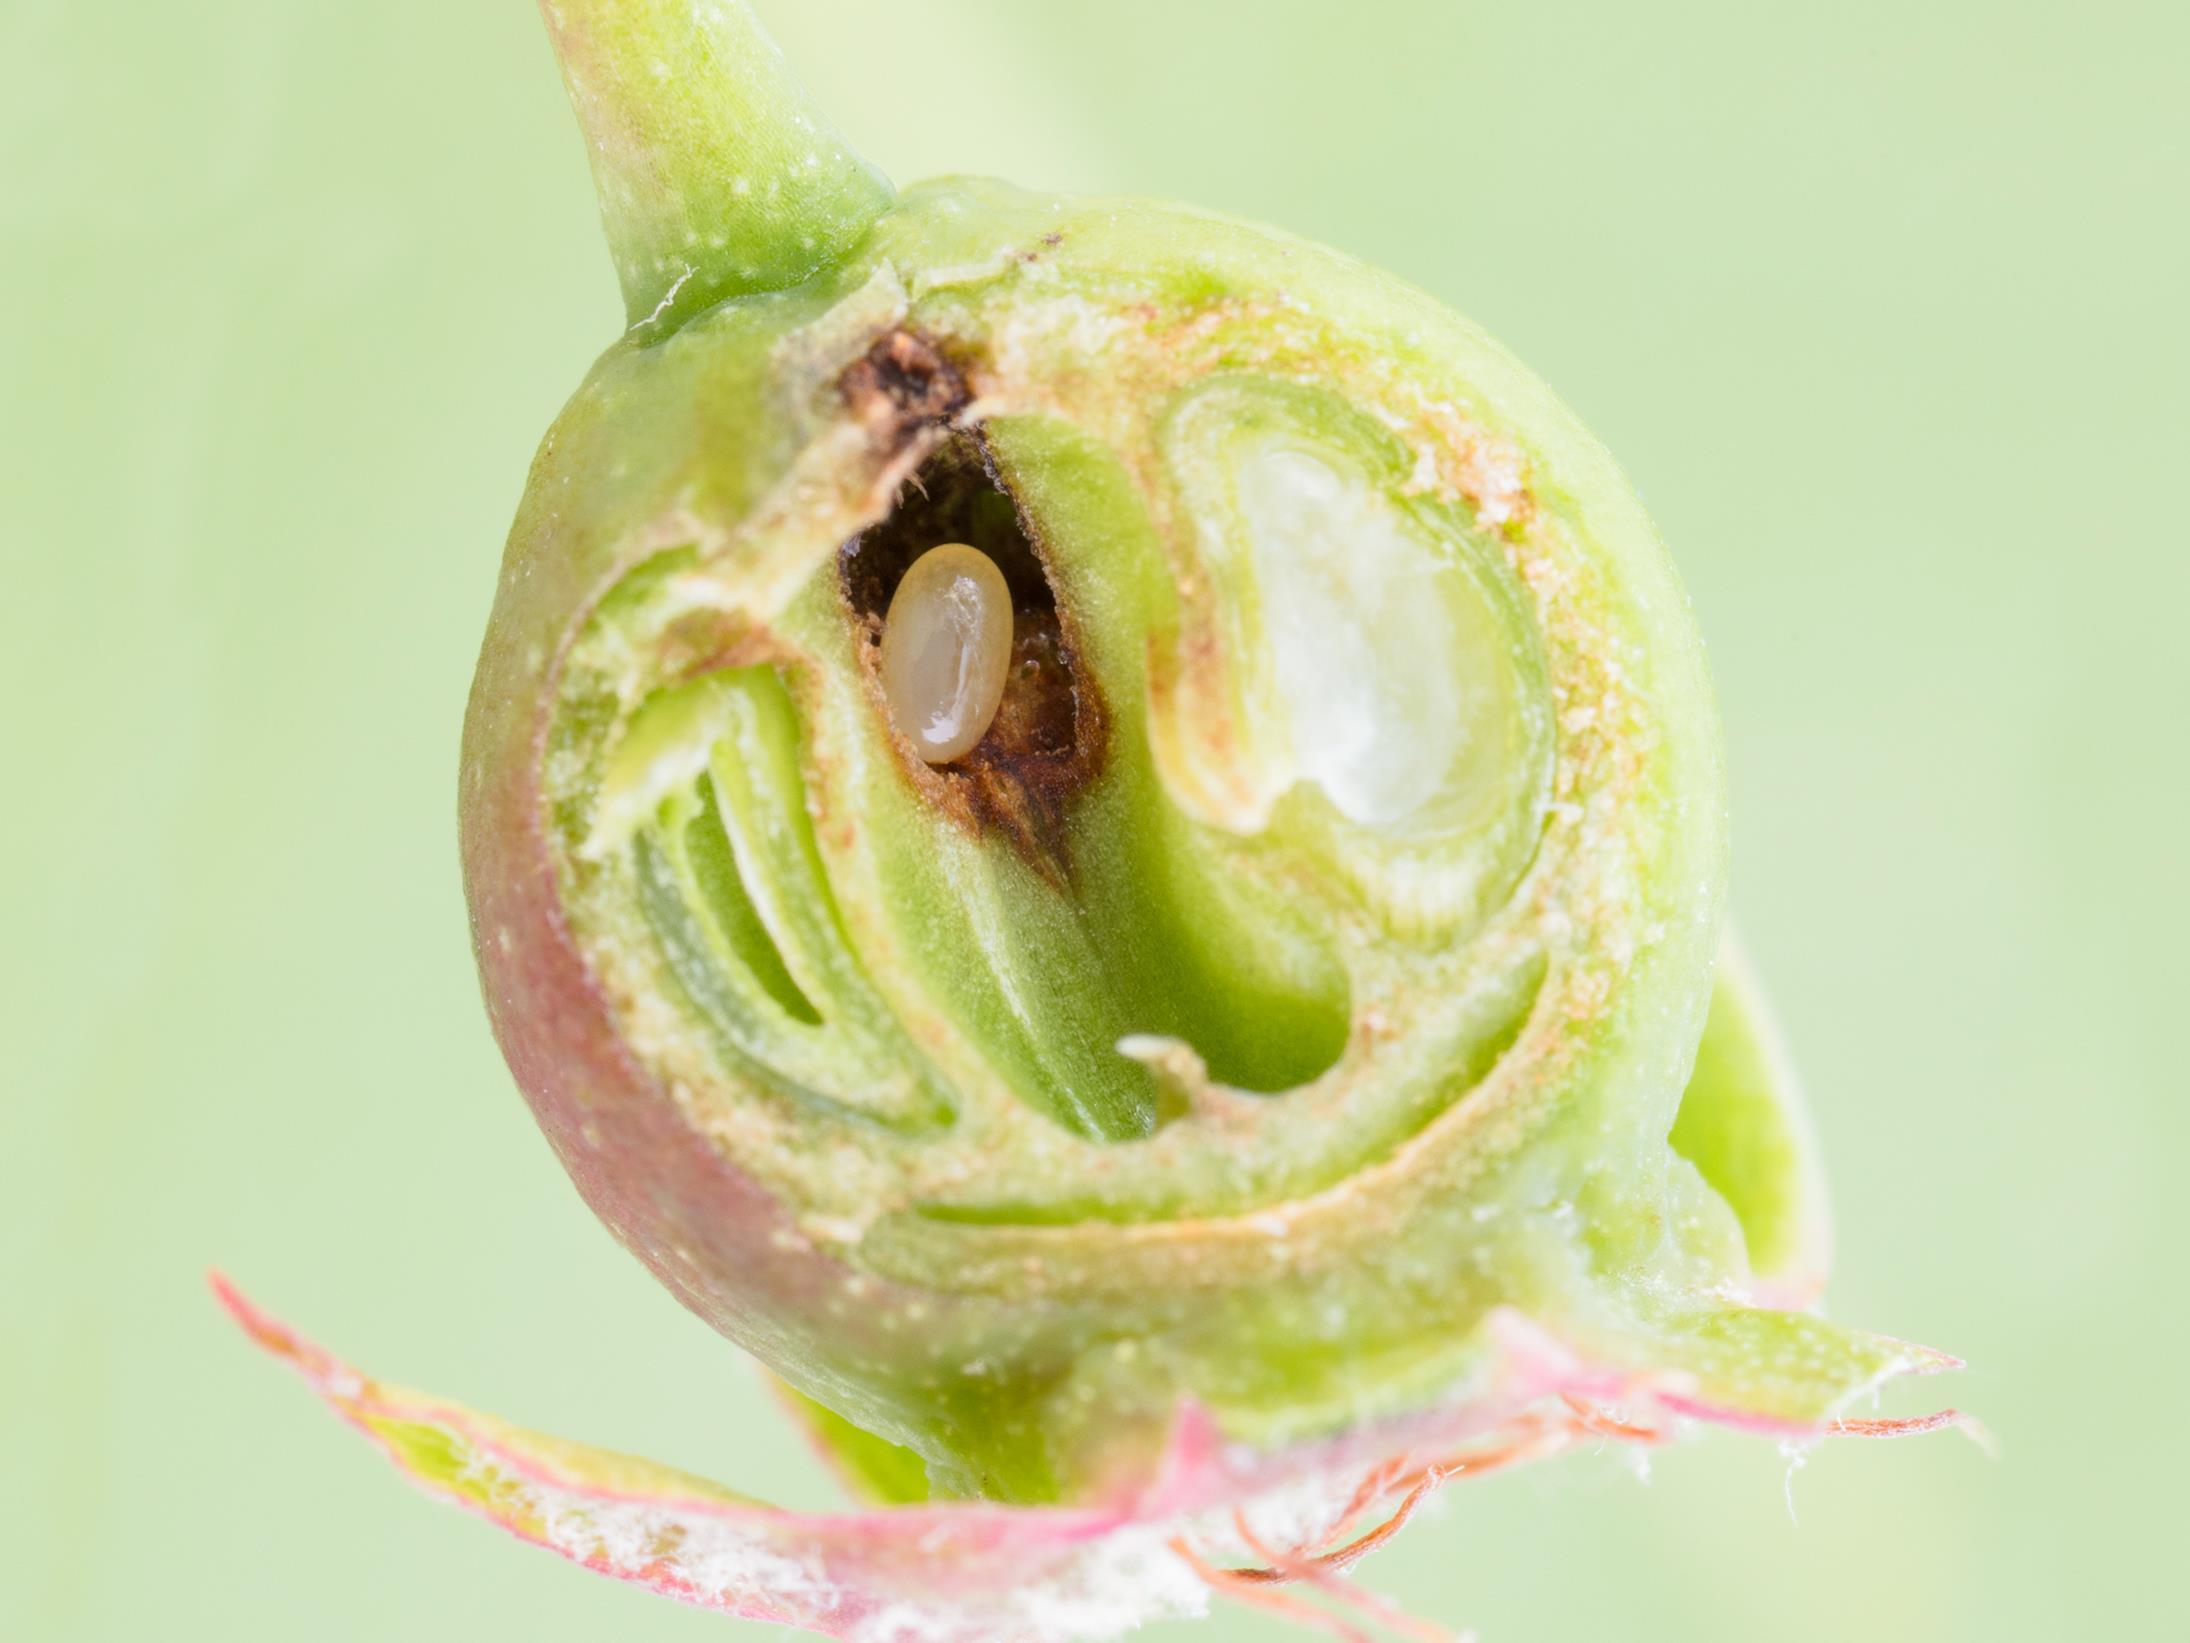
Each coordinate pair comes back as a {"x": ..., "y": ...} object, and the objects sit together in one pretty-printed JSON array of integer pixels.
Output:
[{"x": 717, "y": 174}]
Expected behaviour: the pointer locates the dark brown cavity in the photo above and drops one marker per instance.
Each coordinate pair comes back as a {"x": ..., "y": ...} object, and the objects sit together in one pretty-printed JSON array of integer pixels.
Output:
[
  {"x": 1046, "y": 741},
  {"x": 902, "y": 387}
]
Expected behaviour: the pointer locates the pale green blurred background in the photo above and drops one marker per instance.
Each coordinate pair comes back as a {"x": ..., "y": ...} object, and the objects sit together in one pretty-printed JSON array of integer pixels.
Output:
[{"x": 1879, "y": 303}]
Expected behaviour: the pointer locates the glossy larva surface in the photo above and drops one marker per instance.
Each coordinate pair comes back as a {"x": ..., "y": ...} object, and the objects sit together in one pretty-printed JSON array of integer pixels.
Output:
[{"x": 946, "y": 646}]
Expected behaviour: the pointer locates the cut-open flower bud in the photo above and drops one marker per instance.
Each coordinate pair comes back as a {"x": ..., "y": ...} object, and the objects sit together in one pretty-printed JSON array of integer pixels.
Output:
[{"x": 1094, "y": 829}]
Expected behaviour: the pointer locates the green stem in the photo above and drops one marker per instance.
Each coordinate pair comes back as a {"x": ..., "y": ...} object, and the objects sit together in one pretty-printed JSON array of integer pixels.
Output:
[{"x": 717, "y": 174}]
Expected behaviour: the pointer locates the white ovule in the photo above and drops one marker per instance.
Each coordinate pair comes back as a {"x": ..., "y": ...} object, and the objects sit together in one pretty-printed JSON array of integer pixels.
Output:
[{"x": 1357, "y": 613}]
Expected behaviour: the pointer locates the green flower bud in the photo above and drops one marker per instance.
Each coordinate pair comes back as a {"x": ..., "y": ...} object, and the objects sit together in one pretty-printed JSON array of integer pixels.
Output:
[{"x": 1075, "y": 811}]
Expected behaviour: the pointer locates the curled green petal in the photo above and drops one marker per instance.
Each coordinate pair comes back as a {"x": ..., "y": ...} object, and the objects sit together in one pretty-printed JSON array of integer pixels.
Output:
[{"x": 1743, "y": 1125}]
